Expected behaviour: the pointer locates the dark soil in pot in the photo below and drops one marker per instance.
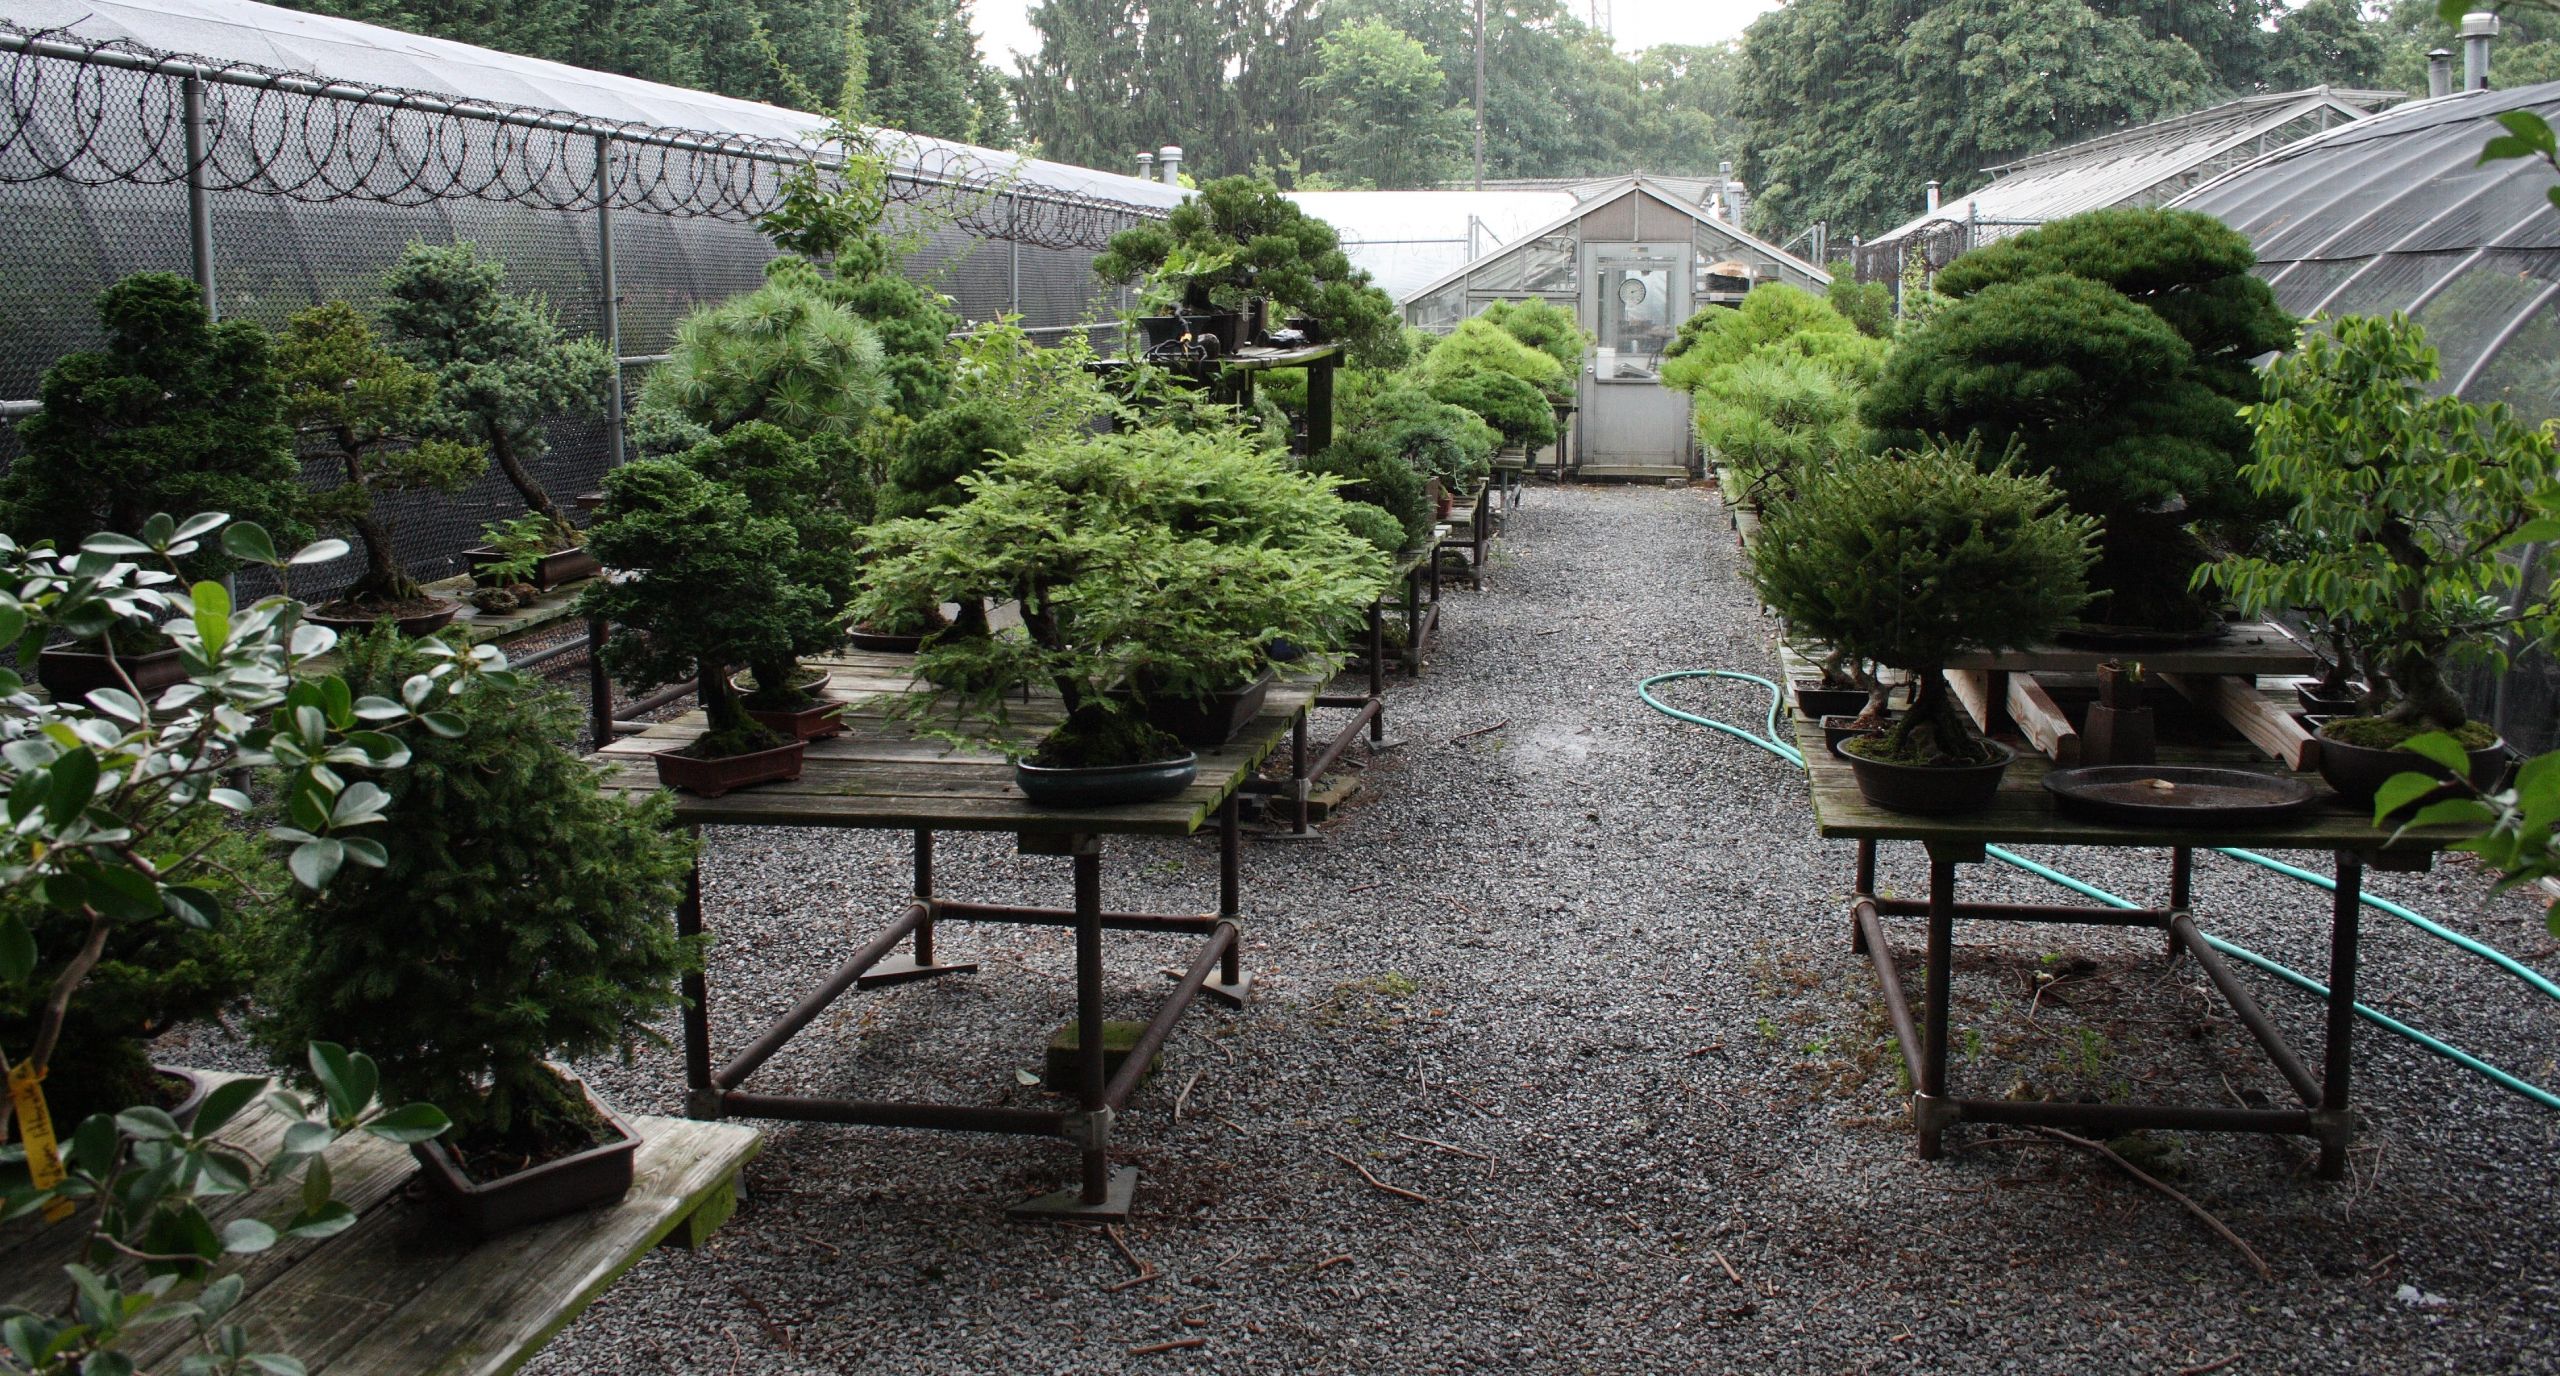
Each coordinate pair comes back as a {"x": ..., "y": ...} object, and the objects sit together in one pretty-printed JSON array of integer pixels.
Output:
[
  {"x": 2358, "y": 771},
  {"x": 414, "y": 618},
  {"x": 711, "y": 776},
  {"x": 1926, "y": 789},
  {"x": 72, "y": 674},
  {"x": 1840, "y": 726},
  {"x": 497, "y": 1187}
]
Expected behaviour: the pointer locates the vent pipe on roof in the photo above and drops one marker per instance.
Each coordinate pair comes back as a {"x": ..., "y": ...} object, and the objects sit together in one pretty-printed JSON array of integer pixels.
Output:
[
  {"x": 2440, "y": 72},
  {"x": 1933, "y": 197},
  {"x": 1169, "y": 164},
  {"x": 2478, "y": 28},
  {"x": 1147, "y": 164}
]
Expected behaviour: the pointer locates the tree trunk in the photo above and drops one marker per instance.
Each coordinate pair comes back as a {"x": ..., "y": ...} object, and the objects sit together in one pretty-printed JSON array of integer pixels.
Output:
[
  {"x": 539, "y": 502},
  {"x": 2425, "y": 698},
  {"x": 720, "y": 710},
  {"x": 1936, "y": 728},
  {"x": 384, "y": 581}
]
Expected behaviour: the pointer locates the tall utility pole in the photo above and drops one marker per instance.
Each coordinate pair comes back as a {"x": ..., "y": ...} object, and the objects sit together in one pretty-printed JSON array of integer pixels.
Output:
[{"x": 1479, "y": 95}]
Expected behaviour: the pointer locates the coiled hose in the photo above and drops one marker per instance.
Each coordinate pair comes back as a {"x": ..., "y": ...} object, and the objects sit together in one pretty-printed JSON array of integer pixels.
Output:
[{"x": 1769, "y": 740}]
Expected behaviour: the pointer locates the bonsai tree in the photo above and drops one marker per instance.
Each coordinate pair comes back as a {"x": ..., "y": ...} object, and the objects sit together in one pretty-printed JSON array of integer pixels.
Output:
[
  {"x": 1777, "y": 419},
  {"x": 522, "y": 917},
  {"x": 1912, "y": 560},
  {"x": 785, "y": 480},
  {"x": 1867, "y": 305},
  {"x": 703, "y": 582},
  {"x": 831, "y": 229},
  {"x": 1481, "y": 346},
  {"x": 925, "y": 479},
  {"x": 783, "y": 354},
  {"x": 1153, "y": 561},
  {"x": 1774, "y": 316},
  {"x": 1544, "y": 326},
  {"x": 2404, "y": 503},
  {"x": 176, "y": 413},
  {"x": 1241, "y": 238},
  {"x": 502, "y": 368},
  {"x": 2113, "y": 348},
  {"x": 1438, "y": 440},
  {"x": 1515, "y": 408},
  {"x": 369, "y": 406},
  {"x": 1369, "y": 475},
  {"x": 1054, "y": 391}
]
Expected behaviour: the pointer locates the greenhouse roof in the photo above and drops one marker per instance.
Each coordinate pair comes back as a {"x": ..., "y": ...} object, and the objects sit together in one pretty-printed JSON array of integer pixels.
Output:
[
  {"x": 2146, "y": 165},
  {"x": 1578, "y": 205},
  {"x": 1405, "y": 239},
  {"x": 2397, "y": 213},
  {"x": 229, "y": 32}
]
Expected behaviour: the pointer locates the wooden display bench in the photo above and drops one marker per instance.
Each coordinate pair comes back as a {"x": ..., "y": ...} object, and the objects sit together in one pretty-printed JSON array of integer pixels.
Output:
[
  {"x": 2014, "y": 689},
  {"x": 1467, "y": 533},
  {"x": 405, "y": 1292}
]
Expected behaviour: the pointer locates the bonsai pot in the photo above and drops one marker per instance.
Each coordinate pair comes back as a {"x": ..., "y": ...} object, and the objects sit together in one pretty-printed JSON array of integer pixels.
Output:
[
  {"x": 888, "y": 642},
  {"x": 1105, "y": 785},
  {"x": 589, "y": 501},
  {"x": 1814, "y": 700},
  {"x": 588, "y": 1179},
  {"x": 1928, "y": 788},
  {"x": 2315, "y": 698},
  {"x": 413, "y": 626},
  {"x": 2358, "y": 772},
  {"x": 185, "y": 1090},
  {"x": 1206, "y": 723},
  {"x": 71, "y": 675},
  {"x": 1158, "y": 331},
  {"x": 709, "y": 778},
  {"x": 559, "y": 567},
  {"x": 1232, "y": 328},
  {"x": 1840, "y": 726},
  {"x": 816, "y": 721}
]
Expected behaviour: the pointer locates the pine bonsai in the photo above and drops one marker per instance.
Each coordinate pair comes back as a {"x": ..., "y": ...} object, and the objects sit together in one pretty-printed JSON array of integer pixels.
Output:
[
  {"x": 522, "y": 916},
  {"x": 1913, "y": 560},
  {"x": 342, "y": 385},
  {"x": 1544, "y": 326},
  {"x": 1241, "y": 238},
  {"x": 783, "y": 354},
  {"x": 1513, "y": 407},
  {"x": 785, "y": 480},
  {"x": 1437, "y": 439},
  {"x": 176, "y": 413},
  {"x": 2404, "y": 506},
  {"x": 1371, "y": 476},
  {"x": 1482, "y": 346},
  {"x": 502, "y": 368}
]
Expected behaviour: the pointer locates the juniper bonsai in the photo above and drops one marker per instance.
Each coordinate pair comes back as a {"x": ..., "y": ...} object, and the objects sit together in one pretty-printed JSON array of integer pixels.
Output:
[
  {"x": 501, "y": 364},
  {"x": 1912, "y": 560},
  {"x": 784, "y": 479},
  {"x": 370, "y": 407},
  {"x": 176, "y": 413}
]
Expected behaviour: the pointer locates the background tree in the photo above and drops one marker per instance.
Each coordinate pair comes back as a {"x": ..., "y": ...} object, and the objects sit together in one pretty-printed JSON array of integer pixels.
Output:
[{"x": 1382, "y": 120}]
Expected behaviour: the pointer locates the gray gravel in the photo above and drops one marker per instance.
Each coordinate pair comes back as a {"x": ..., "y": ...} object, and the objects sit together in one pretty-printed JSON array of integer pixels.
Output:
[{"x": 1600, "y": 955}]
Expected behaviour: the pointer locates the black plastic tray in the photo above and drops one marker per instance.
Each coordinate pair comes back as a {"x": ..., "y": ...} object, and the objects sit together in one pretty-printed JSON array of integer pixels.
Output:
[{"x": 2130, "y": 793}]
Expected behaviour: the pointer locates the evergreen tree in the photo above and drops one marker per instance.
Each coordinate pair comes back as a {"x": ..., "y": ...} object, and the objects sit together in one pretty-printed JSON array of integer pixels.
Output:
[
  {"x": 1383, "y": 121},
  {"x": 1222, "y": 78}
]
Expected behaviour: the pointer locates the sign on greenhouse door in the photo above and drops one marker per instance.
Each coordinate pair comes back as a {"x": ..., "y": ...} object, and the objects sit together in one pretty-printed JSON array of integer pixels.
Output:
[{"x": 1638, "y": 294}]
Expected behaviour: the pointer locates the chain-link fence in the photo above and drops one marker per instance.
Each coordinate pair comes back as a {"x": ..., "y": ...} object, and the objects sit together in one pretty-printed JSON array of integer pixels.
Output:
[{"x": 282, "y": 189}]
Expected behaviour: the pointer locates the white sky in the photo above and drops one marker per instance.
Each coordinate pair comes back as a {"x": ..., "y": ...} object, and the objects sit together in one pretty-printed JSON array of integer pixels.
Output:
[{"x": 1637, "y": 23}]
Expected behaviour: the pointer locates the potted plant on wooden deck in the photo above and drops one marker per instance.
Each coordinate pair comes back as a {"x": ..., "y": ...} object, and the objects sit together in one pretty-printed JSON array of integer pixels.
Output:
[
  {"x": 174, "y": 413},
  {"x": 1153, "y": 569},
  {"x": 2407, "y": 503},
  {"x": 701, "y": 578},
  {"x": 369, "y": 406},
  {"x": 520, "y": 920},
  {"x": 1910, "y": 561},
  {"x": 1219, "y": 257},
  {"x": 502, "y": 370}
]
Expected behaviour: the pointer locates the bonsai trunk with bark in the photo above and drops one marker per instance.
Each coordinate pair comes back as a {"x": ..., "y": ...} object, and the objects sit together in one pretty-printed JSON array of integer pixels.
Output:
[
  {"x": 503, "y": 450},
  {"x": 1936, "y": 728}
]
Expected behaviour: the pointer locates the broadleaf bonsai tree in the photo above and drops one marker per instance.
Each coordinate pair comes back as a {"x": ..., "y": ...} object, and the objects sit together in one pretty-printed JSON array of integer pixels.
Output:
[
  {"x": 1911, "y": 560},
  {"x": 502, "y": 366},
  {"x": 176, "y": 413},
  {"x": 785, "y": 479},
  {"x": 369, "y": 406},
  {"x": 702, "y": 580},
  {"x": 2134, "y": 412},
  {"x": 2405, "y": 504},
  {"x": 522, "y": 917},
  {"x": 1155, "y": 563}
]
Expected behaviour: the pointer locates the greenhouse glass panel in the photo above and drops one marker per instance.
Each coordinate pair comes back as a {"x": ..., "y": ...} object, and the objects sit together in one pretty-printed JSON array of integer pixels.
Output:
[
  {"x": 1540, "y": 265},
  {"x": 2525, "y": 371},
  {"x": 2472, "y": 311},
  {"x": 1440, "y": 310}
]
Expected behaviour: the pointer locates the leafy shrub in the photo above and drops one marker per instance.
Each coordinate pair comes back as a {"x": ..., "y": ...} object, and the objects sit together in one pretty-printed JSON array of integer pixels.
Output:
[
  {"x": 783, "y": 355},
  {"x": 1772, "y": 314},
  {"x": 1513, "y": 407},
  {"x": 1867, "y": 305},
  {"x": 1910, "y": 560},
  {"x": 1052, "y": 390},
  {"x": 176, "y": 413},
  {"x": 501, "y": 364},
  {"x": 1376, "y": 525},
  {"x": 1480, "y": 346},
  {"x": 914, "y": 326},
  {"x": 1240, "y": 238},
  {"x": 522, "y": 916}
]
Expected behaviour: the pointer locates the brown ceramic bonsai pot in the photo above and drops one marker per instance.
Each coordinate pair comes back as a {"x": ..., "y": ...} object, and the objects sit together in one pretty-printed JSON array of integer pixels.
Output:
[
  {"x": 1928, "y": 789},
  {"x": 816, "y": 721},
  {"x": 1210, "y": 722},
  {"x": 412, "y": 626},
  {"x": 2358, "y": 772},
  {"x": 71, "y": 675},
  {"x": 556, "y": 569},
  {"x": 1814, "y": 700},
  {"x": 709, "y": 778},
  {"x": 588, "y": 1179}
]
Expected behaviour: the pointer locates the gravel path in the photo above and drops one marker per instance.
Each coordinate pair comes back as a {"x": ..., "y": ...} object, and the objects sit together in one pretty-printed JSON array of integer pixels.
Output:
[{"x": 1598, "y": 961}]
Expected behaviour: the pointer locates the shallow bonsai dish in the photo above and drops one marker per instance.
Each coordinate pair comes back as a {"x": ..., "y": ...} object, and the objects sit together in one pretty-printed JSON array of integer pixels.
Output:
[
  {"x": 2177, "y": 795},
  {"x": 1928, "y": 789},
  {"x": 2358, "y": 772},
  {"x": 885, "y": 642},
  {"x": 709, "y": 778},
  {"x": 413, "y": 626},
  {"x": 1105, "y": 785}
]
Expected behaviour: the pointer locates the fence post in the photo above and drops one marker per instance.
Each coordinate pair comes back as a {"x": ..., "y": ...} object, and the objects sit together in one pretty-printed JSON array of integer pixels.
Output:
[
  {"x": 612, "y": 302},
  {"x": 199, "y": 204}
]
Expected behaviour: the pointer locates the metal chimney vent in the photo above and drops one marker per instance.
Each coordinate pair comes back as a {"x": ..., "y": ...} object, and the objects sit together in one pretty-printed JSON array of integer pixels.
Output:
[{"x": 2478, "y": 29}]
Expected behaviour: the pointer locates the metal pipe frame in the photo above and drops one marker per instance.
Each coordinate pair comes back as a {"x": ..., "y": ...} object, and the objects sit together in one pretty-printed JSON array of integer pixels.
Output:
[{"x": 2325, "y": 1114}]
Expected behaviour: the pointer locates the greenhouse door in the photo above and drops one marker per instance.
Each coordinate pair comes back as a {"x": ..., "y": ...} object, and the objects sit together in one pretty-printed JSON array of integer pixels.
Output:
[{"x": 1635, "y": 297}]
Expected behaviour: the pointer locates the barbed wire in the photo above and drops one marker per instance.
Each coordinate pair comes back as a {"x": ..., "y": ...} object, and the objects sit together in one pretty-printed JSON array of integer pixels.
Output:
[{"x": 100, "y": 112}]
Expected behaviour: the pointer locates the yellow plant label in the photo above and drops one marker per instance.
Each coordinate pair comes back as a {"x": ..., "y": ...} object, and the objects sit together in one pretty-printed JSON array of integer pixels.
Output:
[{"x": 35, "y": 1128}]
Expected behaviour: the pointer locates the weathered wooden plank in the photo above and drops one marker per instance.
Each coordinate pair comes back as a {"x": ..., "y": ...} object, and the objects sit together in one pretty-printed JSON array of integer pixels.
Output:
[
  {"x": 1974, "y": 688},
  {"x": 2249, "y": 648},
  {"x": 2041, "y": 721},
  {"x": 2267, "y": 721}
]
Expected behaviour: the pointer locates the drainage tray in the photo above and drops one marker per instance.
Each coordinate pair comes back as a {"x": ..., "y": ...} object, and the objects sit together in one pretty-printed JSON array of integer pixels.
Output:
[{"x": 2177, "y": 795}]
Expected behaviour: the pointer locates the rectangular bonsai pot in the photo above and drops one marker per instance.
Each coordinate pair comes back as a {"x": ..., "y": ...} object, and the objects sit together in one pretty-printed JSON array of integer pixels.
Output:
[
  {"x": 1814, "y": 700},
  {"x": 556, "y": 569},
  {"x": 71, "y": 675},
  {"x": 588, "y": 1179},
  {"x": 1209, "y": 723},
  {"x": 709, "y": 778}
]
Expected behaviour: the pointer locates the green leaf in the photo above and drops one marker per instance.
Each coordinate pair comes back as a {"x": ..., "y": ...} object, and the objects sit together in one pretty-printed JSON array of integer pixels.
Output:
[
  {"x": 249, "y": 542},
  {"x": 213, "y": 613},
  {"x": 2530, "y": 129},
  {"x": 74, "y": 783},
  {"x": 445, "y": 724},
  {"x": 320, "y": 552},
  {"x": 17, "y": 949},
  {"x": 328, "y": 1220},
  {"x": 246, "y": 1235},
  {"x": 223, "y": 1103},
  {"x": 2454, "y": 812},
  {"x": 108, "y": 542},
  {"x": 347, "y": 1077},
  {"x": 148, "y": 1124},
  {"x": 2443, "y": 749},
  {"x": 196, "y": 907},
  {"x": 315, "y": 862},
  {"x": 278, "y": 1364},
  {"x": 317, "y": 1184},
  {"x": 410, "y": 1123}
]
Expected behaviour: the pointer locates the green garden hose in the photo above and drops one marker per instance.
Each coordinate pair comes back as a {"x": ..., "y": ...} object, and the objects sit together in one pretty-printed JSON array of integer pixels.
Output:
[{"x": 1770, "y": 742}]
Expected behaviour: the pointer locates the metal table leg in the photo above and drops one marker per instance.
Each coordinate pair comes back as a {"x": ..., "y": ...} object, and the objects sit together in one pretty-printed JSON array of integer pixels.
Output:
[
  {"x": 2346, "y": 911},
  {"x": 920, "y": 965},
  {"x": 1101, "y": 1194}
]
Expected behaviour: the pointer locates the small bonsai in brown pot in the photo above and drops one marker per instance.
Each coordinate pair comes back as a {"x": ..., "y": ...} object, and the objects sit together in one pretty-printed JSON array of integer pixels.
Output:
[{"x": 701, "y": 578}]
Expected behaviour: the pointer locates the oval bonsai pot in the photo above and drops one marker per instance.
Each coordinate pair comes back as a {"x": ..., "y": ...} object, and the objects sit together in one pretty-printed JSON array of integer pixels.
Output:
[
  {"x": 71, "y": 675},
  {"x": 184, "y": 1088},
  {"x": 1814, "y": 700},
  {"x": 2358, "y": 772},
  {"x": 1928, "y": 789},
  {"x": 1105, "y": 785},
  {"x": 817, "y": 721},
  {"x": 588, "y": 1179},
  {"x": 1840, "y": 726},
  {"x": 413, "y": 626},
  {"x": 1208, "y": 723},
  {"x": 709, "y": 778},
  {"x": 2314, "y": 700},
  {"x": 559, "y": 567}
]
